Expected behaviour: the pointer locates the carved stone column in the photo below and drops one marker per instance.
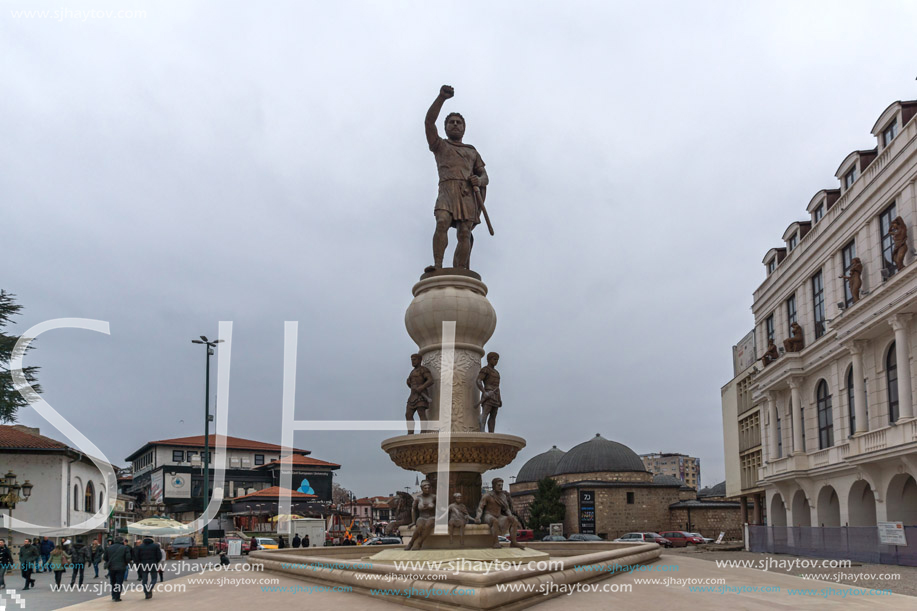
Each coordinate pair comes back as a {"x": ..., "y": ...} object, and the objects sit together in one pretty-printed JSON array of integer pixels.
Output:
[
  {"x": 461, "y": 299},
  {"x": 859, "y": 389},
  {"x": 798, "y": 424},
  {"x": 903, "y": 357},
  {"x": 772, "y": 448}
]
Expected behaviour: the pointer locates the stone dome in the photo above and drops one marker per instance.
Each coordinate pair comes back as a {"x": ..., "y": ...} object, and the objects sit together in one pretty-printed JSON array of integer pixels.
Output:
[
  {"x": 667, "y": 480},
  {"x": 599, "y": 455},
  {"x": 539, "y": 467}
]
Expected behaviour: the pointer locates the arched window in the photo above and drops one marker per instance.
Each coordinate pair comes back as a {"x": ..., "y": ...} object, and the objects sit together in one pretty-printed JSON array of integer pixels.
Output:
[
  {"x": 825, "y": 417},
  {"x": 90, "y": 498},
  {"x": 891, "y": 376},
  {"x": 102, "y": 500},
  {"x": 851, "y": 402},
  {"x": 76, "y": 497}
]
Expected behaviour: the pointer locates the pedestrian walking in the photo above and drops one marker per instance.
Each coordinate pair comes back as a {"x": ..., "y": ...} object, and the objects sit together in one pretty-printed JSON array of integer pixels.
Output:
[
  {"x": 280, "y": 542},
  {"x": 147, "y": 557},
  {"x": 95, "y": 555},
  {"x": 28, "y": 558},
  {"x": 6, "y": 562},
  {"x": 79, "y": 558},
  {"x": 58, "y": 560},
  {"x": 117, "y": 556},
  {"x": 130, "y": 556},
  {"x": 45, "y": 548},
  {"x": 296, "y": 540}
]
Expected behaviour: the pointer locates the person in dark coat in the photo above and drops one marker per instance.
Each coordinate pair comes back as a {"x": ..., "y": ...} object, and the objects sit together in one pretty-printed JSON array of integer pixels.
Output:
[
  {"x": 45, "y": 549},
  {"x": 296, "y": 540},
  {"x": 117, "y": 556},
  {"x": 6, "y": 562},
  {"x": 95, "y": 555},
  {"x": 147, "y": 557},
  {"x": 280, "y": 542},
  {"x": 79, "y": 558},
  {"x": 28, "y": 558},
  {"x": 305, "y": 541}
]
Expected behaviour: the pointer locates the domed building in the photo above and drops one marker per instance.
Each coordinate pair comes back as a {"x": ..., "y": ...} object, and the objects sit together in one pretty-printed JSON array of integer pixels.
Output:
[{"x": 608, "y": 491}]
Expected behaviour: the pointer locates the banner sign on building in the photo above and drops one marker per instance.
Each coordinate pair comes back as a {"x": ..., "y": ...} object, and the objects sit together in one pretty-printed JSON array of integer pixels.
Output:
[
  {"x": 587, "y": 512},
  {"x": 743, "y": 353},
  {"x": 314, "y": 482},
  {"x": 892, "y": 533},
  {"x": 156, "y": 486},
  {"x": 178, "y": 486}
]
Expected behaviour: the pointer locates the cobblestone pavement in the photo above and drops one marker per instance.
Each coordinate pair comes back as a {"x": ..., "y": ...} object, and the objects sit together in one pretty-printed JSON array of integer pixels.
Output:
[{"x": 859, "y": 574}]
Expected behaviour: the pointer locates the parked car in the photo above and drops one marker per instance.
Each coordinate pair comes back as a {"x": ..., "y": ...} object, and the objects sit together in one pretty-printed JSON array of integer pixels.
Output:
[
  {"x": 554, "y": 538},
  {"x": 383, "y": 541},
  {"x": 705, "y": 539},
  {"x": 644, "y": 537},
  {"x": 181, "y": 543},
  {"x": 584, "y": 537},
  {"x": 223, "y": 545},
  {"x": 525, "y": 534},
  {"x": 680, "y": 538},
  {"x": 259, "y": 543}
]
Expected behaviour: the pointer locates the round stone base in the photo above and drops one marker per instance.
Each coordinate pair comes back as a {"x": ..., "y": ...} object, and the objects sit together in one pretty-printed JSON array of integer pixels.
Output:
[{"x": 469, "y": 560}]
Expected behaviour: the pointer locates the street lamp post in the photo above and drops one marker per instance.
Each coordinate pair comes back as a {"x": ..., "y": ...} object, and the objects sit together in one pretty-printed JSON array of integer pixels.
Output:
[
  {"x": 9, "y": 496},
  {"x": 206, "y": 492}
]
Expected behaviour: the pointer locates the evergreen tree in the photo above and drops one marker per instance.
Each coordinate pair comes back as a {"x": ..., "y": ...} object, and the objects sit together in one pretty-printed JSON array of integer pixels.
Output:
[
  {"x": 10, "y": 398},
  {"x": 546, "y": 507}
]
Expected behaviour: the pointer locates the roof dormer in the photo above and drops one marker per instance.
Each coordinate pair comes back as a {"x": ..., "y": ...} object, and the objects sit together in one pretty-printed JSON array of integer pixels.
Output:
[
  {"x": 891, "y": 122},
  {"x": 852, "y": 167},
  {"x": 773, "y": 258},
  {"x": 821, "y": 202},
  {"x": 795, "y": 233}
]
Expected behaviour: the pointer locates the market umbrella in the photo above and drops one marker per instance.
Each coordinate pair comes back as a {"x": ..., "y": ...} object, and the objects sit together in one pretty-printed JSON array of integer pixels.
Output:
[
  {"x": 284, "y": 517},
  {"x": 158, "y": 527}
]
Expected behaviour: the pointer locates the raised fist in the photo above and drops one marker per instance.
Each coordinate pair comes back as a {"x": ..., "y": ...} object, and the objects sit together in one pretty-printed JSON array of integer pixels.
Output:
[{"x": 446, "y": 91}]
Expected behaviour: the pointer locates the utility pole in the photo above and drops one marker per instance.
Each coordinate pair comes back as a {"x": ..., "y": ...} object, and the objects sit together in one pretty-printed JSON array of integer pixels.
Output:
[{"x": 206, "y": 492}]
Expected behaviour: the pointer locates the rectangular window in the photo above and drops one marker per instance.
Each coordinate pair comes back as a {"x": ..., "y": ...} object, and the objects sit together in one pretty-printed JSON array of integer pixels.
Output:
[
  {"x": 848, "y": 254},
  {"x": 259, "y": 459},
  {"x": 819, "y": 213},
  {"x": 889, "y": 133},
  {"x": 790, "y": 311},
  {"x": 771, "y": 266},
  {"x": 630, "y": 498},
  {"x": 802, "y": 423},
  {"x": 769, "y": 327},
  {"x": 818, "y": 301},
  {"x": 885, "y": 222},
  {"x": 850, "y": 178},
  {"x": 190, "y": 454},
  {"x": 178, "y": 456},
  {"x": 794, "y": 240}
]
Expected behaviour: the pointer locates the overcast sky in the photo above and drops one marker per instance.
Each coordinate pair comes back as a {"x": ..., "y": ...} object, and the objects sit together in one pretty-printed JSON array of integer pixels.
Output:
[{"x": 260, "y": 163}]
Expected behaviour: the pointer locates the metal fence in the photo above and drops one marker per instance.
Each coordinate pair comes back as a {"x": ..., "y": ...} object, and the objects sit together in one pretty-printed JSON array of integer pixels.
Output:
[{"x": 859, "y": 543}]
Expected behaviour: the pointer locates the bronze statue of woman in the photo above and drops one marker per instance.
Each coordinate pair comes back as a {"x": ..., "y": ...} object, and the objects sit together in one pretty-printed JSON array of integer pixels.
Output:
[{"x": 423, "y": 515}]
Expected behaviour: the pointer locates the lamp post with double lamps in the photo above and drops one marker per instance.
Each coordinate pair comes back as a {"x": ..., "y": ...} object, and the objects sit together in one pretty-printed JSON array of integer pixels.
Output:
[
  {"x": 10, "y": 490},
  {"x": 207, "y": 418}
]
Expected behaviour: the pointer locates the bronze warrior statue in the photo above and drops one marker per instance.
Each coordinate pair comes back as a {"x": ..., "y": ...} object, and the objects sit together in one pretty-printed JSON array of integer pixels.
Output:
[
  {"x": 488, "y": 383},
  {"x": 462, "y": 183},
  {"x": 496, "y": 510},
  {"x": 419, "y": 381}
]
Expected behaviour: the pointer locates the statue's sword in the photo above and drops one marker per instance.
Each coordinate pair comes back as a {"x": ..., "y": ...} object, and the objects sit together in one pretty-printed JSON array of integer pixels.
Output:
[{"x": 480, "y": 200}]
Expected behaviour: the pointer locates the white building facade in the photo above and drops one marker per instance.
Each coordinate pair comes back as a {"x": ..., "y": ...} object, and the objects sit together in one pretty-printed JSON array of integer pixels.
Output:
[{"x": 839, "y": 432}]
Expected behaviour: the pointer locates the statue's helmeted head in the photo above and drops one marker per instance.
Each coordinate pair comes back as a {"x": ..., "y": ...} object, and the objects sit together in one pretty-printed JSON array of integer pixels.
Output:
[
  {"x": 455, "y": 126},
  {"x": 425, "y": 486}
]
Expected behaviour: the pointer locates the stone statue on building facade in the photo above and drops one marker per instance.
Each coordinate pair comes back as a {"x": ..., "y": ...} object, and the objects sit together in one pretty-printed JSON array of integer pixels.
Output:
[
  {"x": 795, "y": 342},
  {"x": 854, "y": 278},
  {"x": 462, "y": 184},
  {"x": 898, "y": 232},
  {"x": 771, "y": 354},
  {"x": 419, "y": 381},
  {"x": 488, "y": 383}
]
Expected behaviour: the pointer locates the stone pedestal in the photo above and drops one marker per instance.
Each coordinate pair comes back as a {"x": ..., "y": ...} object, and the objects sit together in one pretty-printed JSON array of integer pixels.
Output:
[{"x": 444, "y": 296}]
